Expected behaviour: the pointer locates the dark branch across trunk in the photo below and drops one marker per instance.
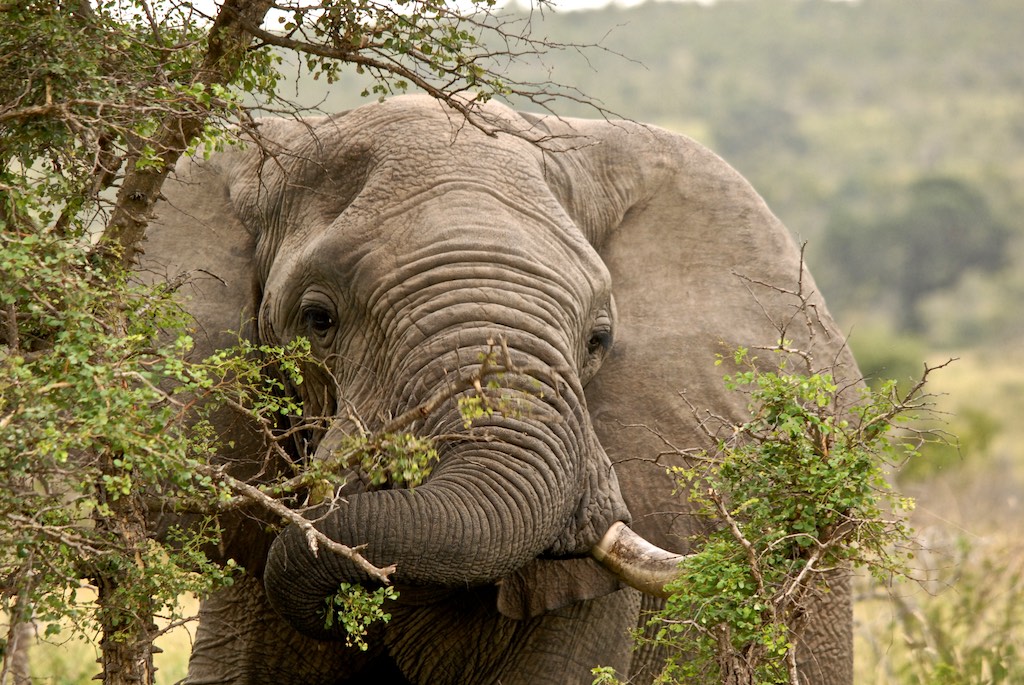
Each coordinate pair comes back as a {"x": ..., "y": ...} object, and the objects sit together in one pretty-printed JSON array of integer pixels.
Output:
[{"x": 140, "y": 188}]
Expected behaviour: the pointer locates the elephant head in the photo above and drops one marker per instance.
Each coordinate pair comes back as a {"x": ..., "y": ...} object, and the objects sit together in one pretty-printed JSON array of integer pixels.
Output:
[{"x": 592, "y": 265}]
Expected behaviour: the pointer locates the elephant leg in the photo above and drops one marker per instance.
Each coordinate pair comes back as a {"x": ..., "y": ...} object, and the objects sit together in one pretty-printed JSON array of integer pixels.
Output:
[
  {"x": 470, "y": 642},
  {"x": 242, "y": 641}
]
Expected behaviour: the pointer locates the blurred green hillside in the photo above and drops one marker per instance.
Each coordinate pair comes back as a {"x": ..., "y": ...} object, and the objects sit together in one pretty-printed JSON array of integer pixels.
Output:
[{"x": 889, "y": 134}]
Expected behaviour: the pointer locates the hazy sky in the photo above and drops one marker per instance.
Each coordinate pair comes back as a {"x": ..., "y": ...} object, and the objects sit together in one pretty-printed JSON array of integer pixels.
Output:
[
  {"x": 587, "y": 4},
  {"x": 569, "y": 5}
]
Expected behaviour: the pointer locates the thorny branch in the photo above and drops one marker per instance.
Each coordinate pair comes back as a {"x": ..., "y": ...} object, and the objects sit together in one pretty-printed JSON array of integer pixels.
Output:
[
  {"x": 268, "y": 496},
  {"x": 314, "y": 538},
  {"x": 804, "y": 308}
]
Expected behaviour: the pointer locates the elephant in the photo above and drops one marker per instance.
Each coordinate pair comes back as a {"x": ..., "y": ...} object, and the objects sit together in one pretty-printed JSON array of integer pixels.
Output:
[{"x": 605, "y": 263}]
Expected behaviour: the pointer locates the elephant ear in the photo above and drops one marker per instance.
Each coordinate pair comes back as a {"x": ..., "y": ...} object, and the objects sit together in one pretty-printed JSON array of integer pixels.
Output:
[
  {"x": 205, "y": 237},
  {"x": 699, "y": 266},
  {"x": 197, "y": 244}
]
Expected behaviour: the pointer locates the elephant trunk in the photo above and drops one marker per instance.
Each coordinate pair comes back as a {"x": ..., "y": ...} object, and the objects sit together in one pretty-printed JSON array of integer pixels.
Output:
[
  {"x": 637, "y": 562},
  {"x": 524, "y": 485}
]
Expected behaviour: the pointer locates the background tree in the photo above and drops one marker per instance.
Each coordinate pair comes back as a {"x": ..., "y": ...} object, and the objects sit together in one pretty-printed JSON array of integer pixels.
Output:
[{"x": 943, "y": 230}]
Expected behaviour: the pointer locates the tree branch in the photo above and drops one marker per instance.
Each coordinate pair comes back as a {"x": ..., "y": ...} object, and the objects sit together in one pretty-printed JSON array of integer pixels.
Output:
[
  {"x": 314, "y": 538},
  {"x": 140, "y": 189}
]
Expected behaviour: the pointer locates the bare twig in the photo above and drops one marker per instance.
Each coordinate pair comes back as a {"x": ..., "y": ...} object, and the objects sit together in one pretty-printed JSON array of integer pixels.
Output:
[{"x": 315, "y": 539}]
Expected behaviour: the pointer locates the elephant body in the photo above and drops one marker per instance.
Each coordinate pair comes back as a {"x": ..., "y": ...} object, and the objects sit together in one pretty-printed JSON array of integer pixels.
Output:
[{"x": 597, "y": 263}]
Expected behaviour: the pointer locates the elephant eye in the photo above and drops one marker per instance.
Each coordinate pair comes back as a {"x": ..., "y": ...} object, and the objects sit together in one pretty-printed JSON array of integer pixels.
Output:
[
  {"x": 599, "y": 341},
  {"x": 317, "y": 319}
]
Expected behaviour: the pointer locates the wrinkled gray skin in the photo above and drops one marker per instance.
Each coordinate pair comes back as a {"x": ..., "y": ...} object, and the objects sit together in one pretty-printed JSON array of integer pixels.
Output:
[{"x": 403, "y": 242}]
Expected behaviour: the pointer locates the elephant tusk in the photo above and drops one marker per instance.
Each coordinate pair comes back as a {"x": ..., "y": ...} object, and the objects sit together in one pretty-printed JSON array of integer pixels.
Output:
[{"x": 635, "y": 561}]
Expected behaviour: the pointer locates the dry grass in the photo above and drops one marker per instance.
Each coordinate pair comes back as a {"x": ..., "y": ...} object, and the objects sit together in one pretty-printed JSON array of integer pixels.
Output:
[{"x": 961, "y": 620}]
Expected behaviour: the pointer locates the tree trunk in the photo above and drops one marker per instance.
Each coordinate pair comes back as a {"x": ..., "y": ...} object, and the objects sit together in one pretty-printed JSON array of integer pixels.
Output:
[
  {"x": 736, "y": 667},
  {"x": 16, "y": 669},
  {"x": 126, "y": 648},
  {"x": 125, "y": 609},
  {"x": 140, "y": 188}
]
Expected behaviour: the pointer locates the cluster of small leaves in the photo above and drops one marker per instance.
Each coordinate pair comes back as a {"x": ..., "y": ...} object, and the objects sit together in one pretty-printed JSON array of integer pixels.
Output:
[
  {"x": 494, "y": 399},
  {"x": 398, "y": 459},
  {"x": 85, "y": 76},
  {"x": 474, "y": 407},
  {"x": 83, "y": 426},
  {"x": 383, "y": 459},
  {"x": 795, "y": 491},
  {"x": 431, "y": 43},
  {"x": 355, "y": 608},
  {"x": 489, "y": 394},
  {"x": 97, "y": 91}
]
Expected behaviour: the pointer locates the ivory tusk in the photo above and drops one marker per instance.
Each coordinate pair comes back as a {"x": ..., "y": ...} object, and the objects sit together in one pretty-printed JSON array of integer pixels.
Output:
[{"x": 635, "y": 561}]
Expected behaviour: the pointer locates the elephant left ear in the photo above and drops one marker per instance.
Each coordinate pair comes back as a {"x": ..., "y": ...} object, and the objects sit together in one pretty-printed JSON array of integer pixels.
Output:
[
  {"x": 545, "y": 585},
  {"x": 699, "y": 267}
]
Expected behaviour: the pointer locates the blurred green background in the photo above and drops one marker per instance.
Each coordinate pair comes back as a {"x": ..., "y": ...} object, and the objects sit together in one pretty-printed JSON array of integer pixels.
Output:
[{"x": 888, "y": 134}]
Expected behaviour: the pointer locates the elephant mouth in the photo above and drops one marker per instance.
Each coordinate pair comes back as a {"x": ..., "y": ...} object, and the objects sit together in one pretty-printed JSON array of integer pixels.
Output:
[{"x": 635, "y": 561}]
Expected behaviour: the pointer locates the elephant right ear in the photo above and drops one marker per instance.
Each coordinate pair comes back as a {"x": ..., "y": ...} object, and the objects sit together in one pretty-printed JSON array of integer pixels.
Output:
[{"x": 198, "y": 242}]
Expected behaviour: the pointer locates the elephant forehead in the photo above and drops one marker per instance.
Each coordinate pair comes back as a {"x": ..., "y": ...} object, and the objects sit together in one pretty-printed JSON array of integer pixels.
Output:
[
  {"x": 375, "y": 173},
  {"x": 419, "y": 119},
  {"x": 404, "y": 164},
  {"x": 462, "y": 228}
]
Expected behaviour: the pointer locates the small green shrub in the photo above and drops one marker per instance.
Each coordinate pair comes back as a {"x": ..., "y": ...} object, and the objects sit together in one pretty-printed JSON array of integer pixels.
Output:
[{"x": 792, "y": 493}]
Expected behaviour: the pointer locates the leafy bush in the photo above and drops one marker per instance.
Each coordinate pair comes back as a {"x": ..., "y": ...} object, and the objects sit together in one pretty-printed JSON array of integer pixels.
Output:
[{"x": 795, "y": 492}]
